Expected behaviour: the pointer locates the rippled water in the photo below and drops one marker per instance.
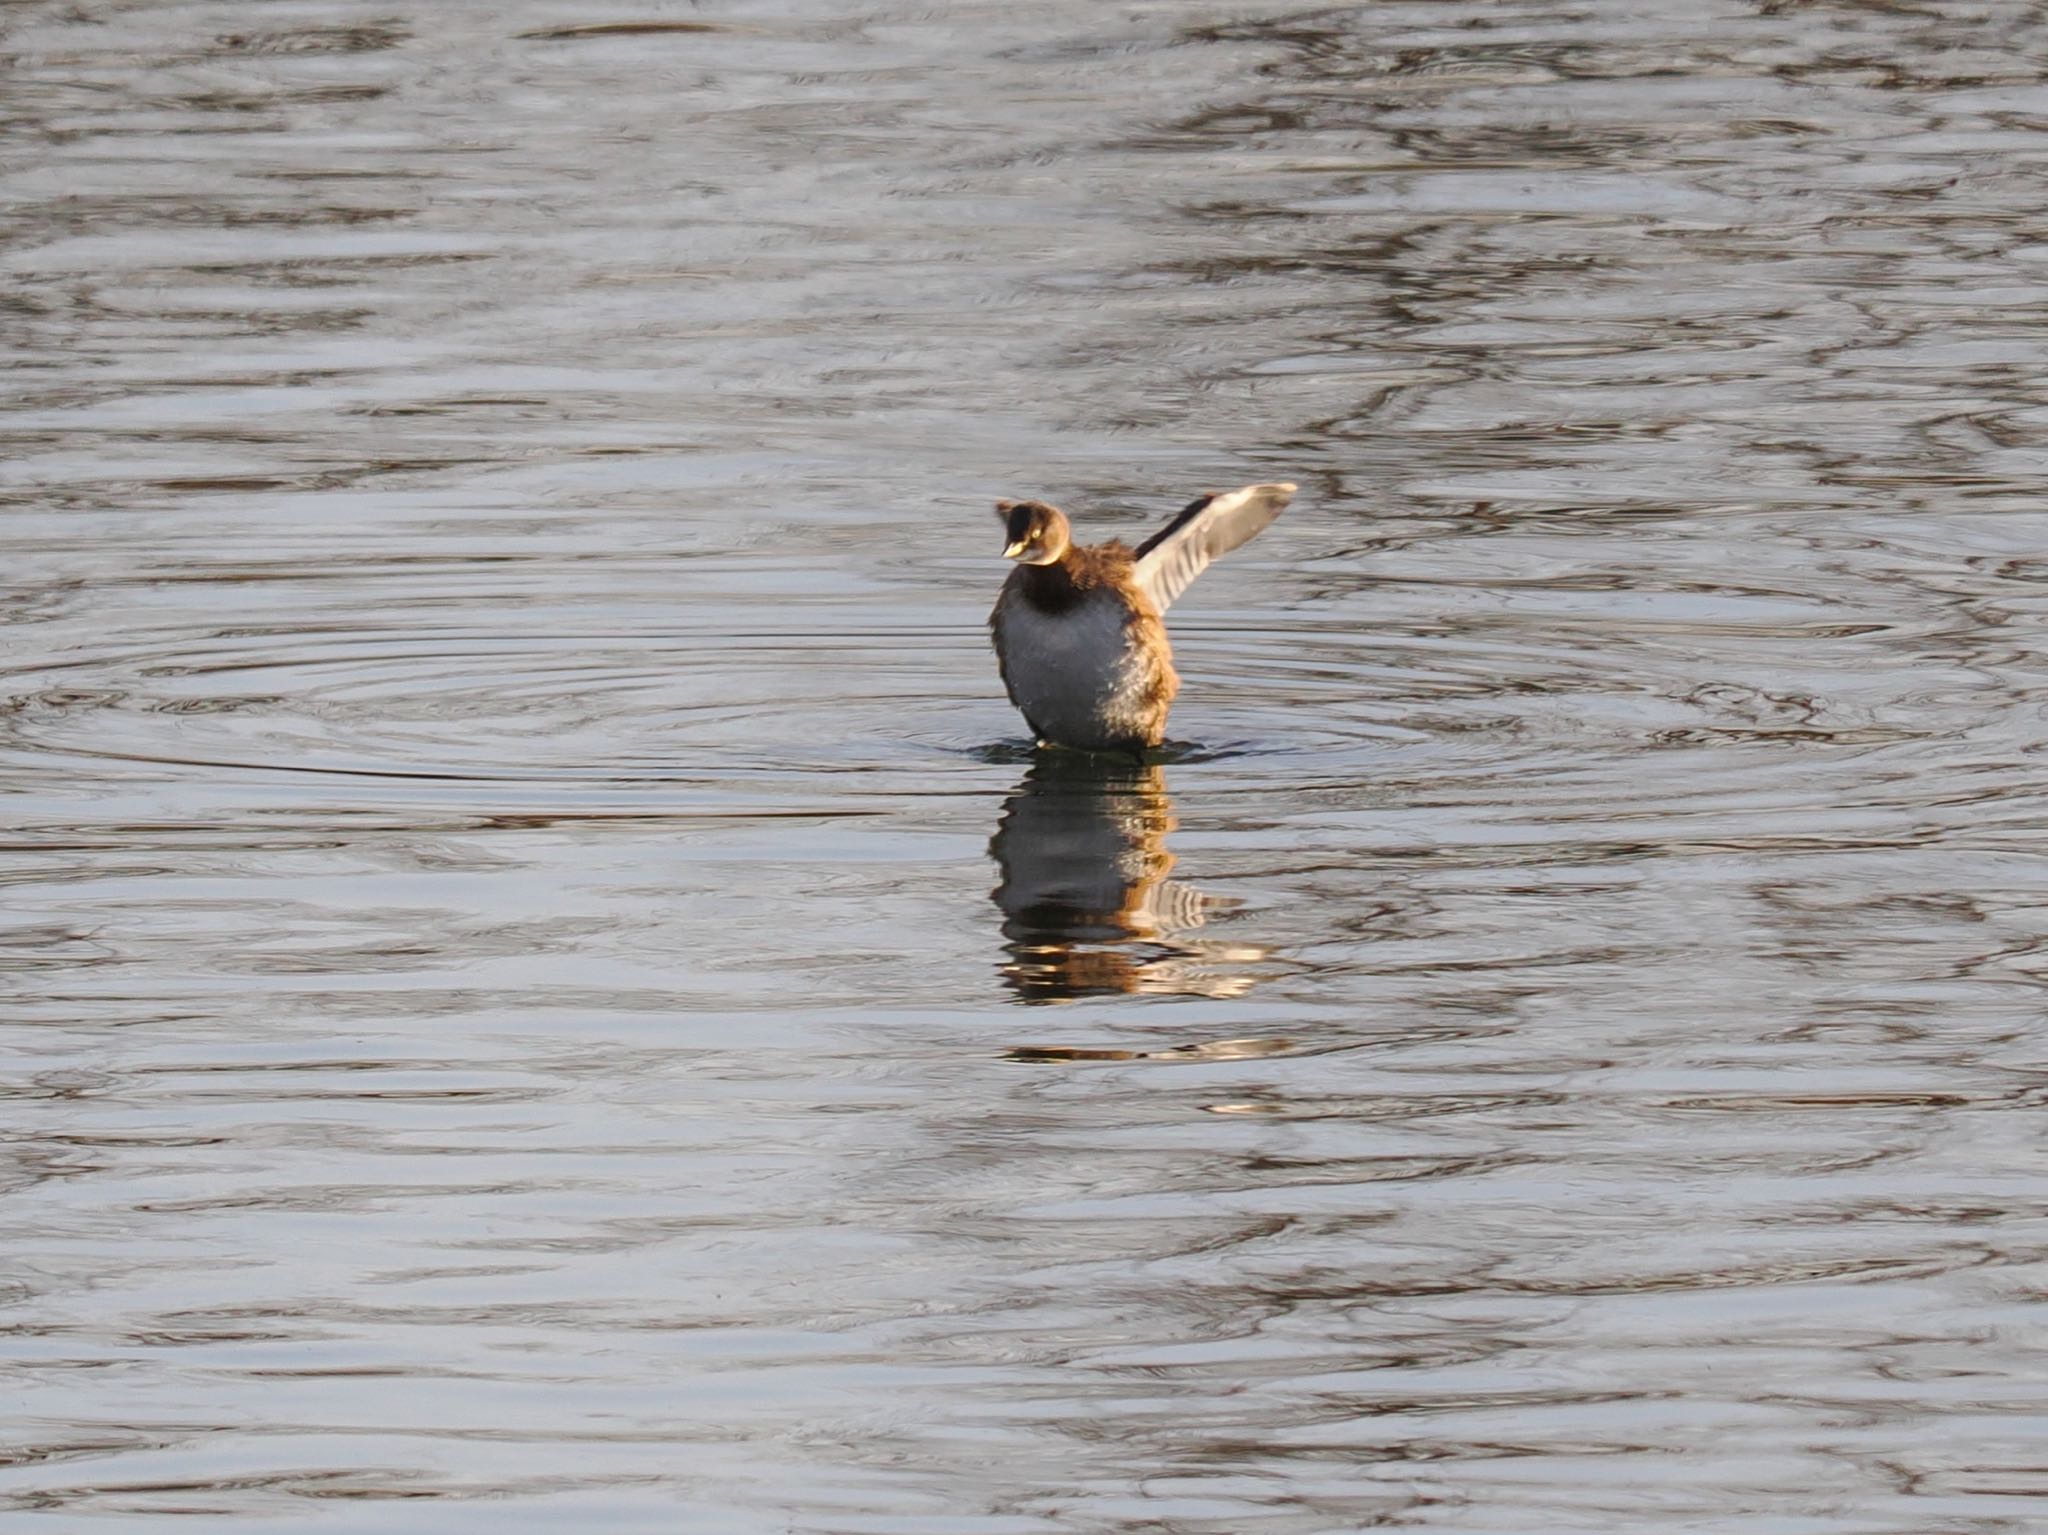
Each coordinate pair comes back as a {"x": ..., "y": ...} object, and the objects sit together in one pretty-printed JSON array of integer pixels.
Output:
[{"x": 546, "y": 990}]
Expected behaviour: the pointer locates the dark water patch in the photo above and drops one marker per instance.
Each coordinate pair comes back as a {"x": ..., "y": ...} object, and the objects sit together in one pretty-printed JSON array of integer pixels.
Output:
[
  {"x": 1207, "y": 1051},
  {"x": 619, "y": 29}
]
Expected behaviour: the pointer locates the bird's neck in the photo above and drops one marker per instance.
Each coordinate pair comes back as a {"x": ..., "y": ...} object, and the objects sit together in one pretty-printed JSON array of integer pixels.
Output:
[{"x": 1051, "y": 588}]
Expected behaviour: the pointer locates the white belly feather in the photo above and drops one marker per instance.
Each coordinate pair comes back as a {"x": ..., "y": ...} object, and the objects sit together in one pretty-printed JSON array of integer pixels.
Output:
[{"x": 1077, "y": 676}]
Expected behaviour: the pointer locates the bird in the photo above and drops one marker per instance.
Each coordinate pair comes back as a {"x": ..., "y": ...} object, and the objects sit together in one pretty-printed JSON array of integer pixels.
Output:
[{"x": 1080, "y": 631}]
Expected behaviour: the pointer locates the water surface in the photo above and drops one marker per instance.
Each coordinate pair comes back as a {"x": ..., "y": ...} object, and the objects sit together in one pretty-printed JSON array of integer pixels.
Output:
[{"x": 547, "y": 990}]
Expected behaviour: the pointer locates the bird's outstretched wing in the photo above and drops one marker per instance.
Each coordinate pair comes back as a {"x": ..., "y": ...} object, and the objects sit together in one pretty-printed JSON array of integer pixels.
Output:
[{"x": 1212, "y": 526}]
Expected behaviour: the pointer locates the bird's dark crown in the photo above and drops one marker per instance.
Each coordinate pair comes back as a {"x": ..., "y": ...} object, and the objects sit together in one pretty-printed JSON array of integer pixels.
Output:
[{"x": 1024, "y": 520}]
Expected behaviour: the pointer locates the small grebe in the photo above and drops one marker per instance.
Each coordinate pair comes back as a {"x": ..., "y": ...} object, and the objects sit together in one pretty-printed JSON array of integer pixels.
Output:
[{"x": 1079, "y": 635}]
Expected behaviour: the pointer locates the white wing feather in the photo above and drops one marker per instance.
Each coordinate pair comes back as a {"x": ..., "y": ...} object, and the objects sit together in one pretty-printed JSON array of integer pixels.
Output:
[{"x": 1183, "y": 549}]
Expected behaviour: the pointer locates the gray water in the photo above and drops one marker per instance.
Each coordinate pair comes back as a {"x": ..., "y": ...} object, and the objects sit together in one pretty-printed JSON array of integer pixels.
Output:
[{"x": 545, "y": 990}]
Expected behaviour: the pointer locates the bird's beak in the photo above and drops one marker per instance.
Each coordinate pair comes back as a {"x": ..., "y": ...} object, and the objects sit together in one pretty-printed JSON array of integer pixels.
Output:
[{"x": 1016, "y": 550}]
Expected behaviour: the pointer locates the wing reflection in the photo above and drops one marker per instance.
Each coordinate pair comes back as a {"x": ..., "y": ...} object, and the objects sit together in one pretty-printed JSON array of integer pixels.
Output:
[{"x": 1087, "y": 907}]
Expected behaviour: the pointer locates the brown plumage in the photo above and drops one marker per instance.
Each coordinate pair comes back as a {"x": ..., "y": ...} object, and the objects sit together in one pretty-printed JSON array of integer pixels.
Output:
[{"x": 1079, "y": 633}]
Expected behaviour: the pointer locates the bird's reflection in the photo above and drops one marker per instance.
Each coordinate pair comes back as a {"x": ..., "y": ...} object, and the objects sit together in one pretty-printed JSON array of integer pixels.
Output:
[{"x": 1087, "y": 907}]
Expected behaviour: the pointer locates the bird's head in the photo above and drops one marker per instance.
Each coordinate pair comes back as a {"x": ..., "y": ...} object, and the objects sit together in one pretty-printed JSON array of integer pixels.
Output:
[{"x": 1037, "y": 534}]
